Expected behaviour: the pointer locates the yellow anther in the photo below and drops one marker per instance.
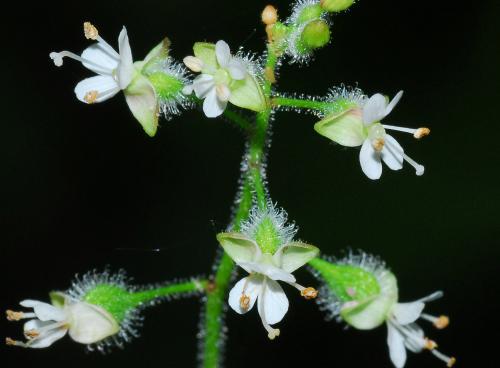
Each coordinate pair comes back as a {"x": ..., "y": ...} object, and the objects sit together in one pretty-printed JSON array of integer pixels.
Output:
[
  {"x": 451, "y": 362},
  {"x": 430, "y": 344},
  {"x": 269, "y": 15},
  {"x": 421, "y": 132},
  {"x": 90, "y": 31},
  {"x": 309, "y": 293},
  {"x": 441, "y": 322},
  {"x": 10, "y": 342},
  {"x": 244, "y": 301},
  {"x": 378, "y": 144},
  {"x": 273, "y": 333},
  {"x": 31, "y": 334},
  {"x": 90, "y": 97},
  {"x": 14, "y": 316}
]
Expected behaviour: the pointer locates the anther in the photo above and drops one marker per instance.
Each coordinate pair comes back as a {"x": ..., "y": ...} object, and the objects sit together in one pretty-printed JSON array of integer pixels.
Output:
[
  {"x": 90, "y": 97},
  {"x": 451, "y": 362},
  {"x": 430, "y": 344},
  {"x": 441, "y": 322},
  {"x": 273, "y": 333},
  {"x": 421, "y": 132},
  {"x": 90, "y": 31},
  {"x": 244, "y": 302},
  {"x": 309, "y": 293},
  {"x": 378, "y": 144},
  {"x": 14, "y": 316},
  {"x": 10, "y": 342}
]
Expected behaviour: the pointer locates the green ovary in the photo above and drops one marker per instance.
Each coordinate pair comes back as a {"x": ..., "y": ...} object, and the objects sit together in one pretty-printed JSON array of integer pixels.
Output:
[
  {"x": 267, "y": 237},
  {"x": 166, "y": 86},
  {"x": 113, "y": 299},
  {"x": 347, "y": 282}
]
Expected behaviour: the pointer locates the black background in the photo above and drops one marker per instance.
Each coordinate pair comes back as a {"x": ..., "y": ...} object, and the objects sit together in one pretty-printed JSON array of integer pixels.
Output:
[{"x": 82, "y": 187}]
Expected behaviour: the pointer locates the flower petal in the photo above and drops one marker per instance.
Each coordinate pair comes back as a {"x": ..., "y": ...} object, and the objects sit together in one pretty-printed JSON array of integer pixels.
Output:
[
  {"x": 237, "y": 69},
  {"x": 294, "y": 255},
  {"x": 370, "y": 161},
  {"x": 30, "y": 303},
  {"x": 223, "y": 53},
  {"x": 90, "y": 323},
  {"x": 397, "y": 350},
  {"x": 47, "y": 312},
  {"x": 417, "y": 343},
  {"x": 239, "y": 247},
  {"x": 374, "y": 109},
  {"x": 203, "y": 84},
  {"x": 125, "y": 71},
  {"x": 47, "y": 339},
  {"x": 212, "y": 106},
  {"x": 105, "y": 86},
  {"x": 392, "y": 153},
  {"x": 273, "y": 303},
  {"x": 249, "y": 286},
  {"x": 102, "y": 61},
  {"x": 345, "y": 129},
  {"x": 393, "y": 103},
  {"x": 406, "y": 313},
  {"x": 142, "y": 101},
  {"x": 36, "y": 324},
  {"x": 270, "y": 271}
]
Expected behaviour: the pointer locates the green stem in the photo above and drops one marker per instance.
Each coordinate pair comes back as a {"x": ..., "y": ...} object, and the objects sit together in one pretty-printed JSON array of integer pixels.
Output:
[
  {"x": 145, "y": 296},
  {"x": 303, "y": 104},
  {"x": 237, "y": 119},
  {"x": 253, "y": 181}
]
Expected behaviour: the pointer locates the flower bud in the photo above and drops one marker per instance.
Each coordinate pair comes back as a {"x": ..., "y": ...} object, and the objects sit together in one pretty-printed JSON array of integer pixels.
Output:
[
  {"x": 269, "y": 15},
  {"x": 309, "y": 12},
  {"x": 315, "y": 35},
  {"x": 336, "y": 5}
]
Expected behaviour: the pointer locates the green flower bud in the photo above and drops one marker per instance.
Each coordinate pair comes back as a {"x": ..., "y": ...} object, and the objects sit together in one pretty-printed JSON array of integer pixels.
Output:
[
  {"x": 309, "y": 12},
  {"x": 315, "y": 35},
  {"x": 336, "y": 5}
]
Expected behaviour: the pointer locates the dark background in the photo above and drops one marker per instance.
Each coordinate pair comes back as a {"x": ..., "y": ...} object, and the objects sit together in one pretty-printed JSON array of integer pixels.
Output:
[{"x": 82, "y": 187}]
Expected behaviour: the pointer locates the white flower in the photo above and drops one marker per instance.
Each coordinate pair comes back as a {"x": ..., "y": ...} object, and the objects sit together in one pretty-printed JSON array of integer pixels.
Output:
[
  {"x": 361, "y": 126},
  {"x": 115, "y": 71},
  {"x": 224, "y": 78},
  {"x": 404, "y": 333},
  {"x": 85, "y": 323},
  {"x": 265, "y": 270}
]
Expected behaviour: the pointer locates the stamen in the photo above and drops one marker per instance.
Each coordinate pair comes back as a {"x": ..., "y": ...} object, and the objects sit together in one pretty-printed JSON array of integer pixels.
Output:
[
  {"x": 378, "y": 144},
  {"x": 269, "y": 15},
  {"x": 90, "y": 31},
  {"x": 90, "y": 97},
  {"x": 309, "y": 293},
  {"x": 273, "y": 332},
  {"x": 440, "y": 322},
  {"x": 450, "y": 361},
  {"x": 57, "y": 57},
  {"x": 244, "y": 301},
  {"x": 419, "y": 169},
  {"x": 17, "y": 316},
  {"x": 193, "y": 63},
  {"x": 417, "y": 133}
]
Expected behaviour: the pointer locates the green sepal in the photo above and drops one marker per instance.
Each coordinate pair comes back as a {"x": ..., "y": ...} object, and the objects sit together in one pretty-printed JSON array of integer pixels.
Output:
[
  {"x": 159, "y": 53},
  {"x": 345, "y": 128},
  {"x": 206, "y": 52},
  {"x": 57, "y": 299},
  {"x": 237, "y": 246},
  {"x": 143, "y": 103},
  {"x": 296, "y": 254},
  {"x": 248, "y": 94}
]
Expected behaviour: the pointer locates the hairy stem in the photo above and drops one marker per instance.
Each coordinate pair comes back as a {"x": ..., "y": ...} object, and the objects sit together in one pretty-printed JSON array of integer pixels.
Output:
[
  {"x": 296, "y": 103},
  {"x": 252, "y": 185},
  {"x": 169, "y": 290}
]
